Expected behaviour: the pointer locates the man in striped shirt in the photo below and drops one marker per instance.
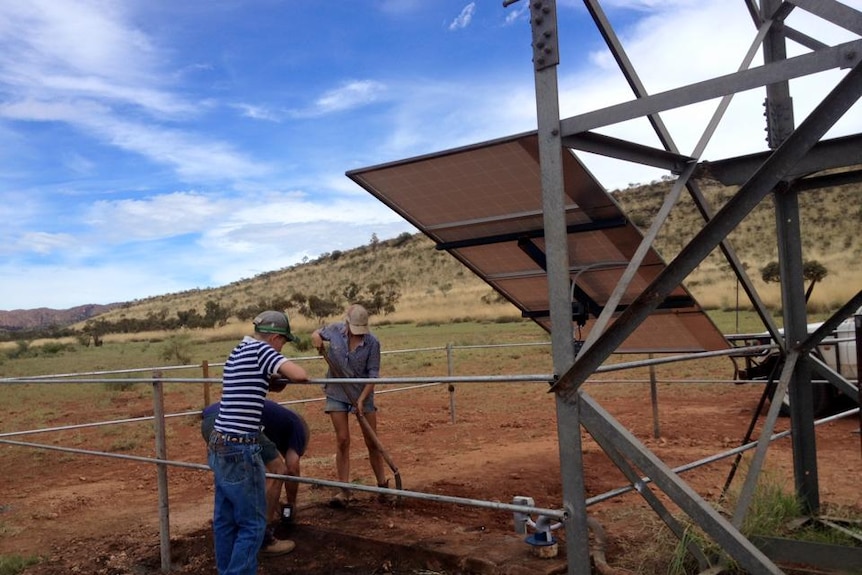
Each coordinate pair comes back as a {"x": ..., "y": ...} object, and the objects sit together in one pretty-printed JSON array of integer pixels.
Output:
[{"x": 233, "y": 451}]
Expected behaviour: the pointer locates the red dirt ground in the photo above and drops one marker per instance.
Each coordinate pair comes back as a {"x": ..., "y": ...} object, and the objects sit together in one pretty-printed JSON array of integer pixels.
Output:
[{"x": 94, "y": 515}]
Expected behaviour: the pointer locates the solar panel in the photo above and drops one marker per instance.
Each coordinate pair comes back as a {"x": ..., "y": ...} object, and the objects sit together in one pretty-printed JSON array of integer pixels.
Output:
[{"x": 483, "y": 204}]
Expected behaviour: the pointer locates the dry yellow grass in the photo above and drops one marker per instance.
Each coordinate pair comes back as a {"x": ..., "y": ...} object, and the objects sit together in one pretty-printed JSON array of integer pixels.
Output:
[{"x": 435, "y": 287}]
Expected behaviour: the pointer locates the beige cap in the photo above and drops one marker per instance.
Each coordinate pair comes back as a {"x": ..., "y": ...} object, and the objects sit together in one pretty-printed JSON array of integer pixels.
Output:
[{"x": 357, "y": 319}]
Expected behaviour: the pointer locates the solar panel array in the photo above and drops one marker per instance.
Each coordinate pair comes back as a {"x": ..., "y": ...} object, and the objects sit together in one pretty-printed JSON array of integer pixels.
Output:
[{"x": 483, "y": 205}]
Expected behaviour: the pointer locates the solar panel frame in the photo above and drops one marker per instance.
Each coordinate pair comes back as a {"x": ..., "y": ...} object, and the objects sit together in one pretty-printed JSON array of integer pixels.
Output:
[{"x": 483, "y": 204}]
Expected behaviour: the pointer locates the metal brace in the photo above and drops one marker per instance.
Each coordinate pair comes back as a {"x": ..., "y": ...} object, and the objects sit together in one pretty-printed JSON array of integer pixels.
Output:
[{"x": 543, "y": 21}]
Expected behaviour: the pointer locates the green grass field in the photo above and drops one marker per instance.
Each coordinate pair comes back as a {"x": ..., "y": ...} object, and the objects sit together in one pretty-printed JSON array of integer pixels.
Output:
[{"x": 410, "y": 350}]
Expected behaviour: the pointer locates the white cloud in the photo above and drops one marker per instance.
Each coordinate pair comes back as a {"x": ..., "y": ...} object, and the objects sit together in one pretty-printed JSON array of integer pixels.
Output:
[
  {"x": 464, "y": 18},
  {"x": 235, "y": 253},
  {"x": 159, "y": 216},
  {"x": 194, "y": 157},
  {"x": 516, "y": 12},
  {"x": 676, "y": 46},
  {"x": 349, "y": 96},
  {"x": 84, "y": 86},
  {"x": 44, "y": 243},
  {"x": 259, "y": 112},
  {"x": 82, "y": 49},
  {"x": 429, "y": 116},
  {"x": 83, "y": 65},
  {"x": 78, "y": 163}
]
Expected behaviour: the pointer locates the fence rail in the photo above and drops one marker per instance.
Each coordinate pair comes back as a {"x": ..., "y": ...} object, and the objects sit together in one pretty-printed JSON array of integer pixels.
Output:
[{"x": 157, "y": 379}]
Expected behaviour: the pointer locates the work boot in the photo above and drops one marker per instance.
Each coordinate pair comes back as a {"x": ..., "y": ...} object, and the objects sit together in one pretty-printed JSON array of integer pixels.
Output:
[{"x": 277, "y": 547}]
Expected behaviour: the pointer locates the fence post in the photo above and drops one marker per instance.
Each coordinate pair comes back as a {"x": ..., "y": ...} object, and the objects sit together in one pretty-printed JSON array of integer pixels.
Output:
[
  {"x": 205, "y": 367},
  {"x": 653, "y": 392},
  {"x": 450, "y": 360},
  {"x": 162, "y": 471},
  {"x": 857, "y": 323}
]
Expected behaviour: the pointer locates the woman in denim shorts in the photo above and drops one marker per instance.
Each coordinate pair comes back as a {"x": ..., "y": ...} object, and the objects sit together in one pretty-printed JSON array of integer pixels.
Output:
[{"x": 356, "y": 351}]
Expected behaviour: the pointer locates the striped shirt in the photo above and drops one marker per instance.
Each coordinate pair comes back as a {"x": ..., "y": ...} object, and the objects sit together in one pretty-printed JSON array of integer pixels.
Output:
[{"x": 244, "y": 386}]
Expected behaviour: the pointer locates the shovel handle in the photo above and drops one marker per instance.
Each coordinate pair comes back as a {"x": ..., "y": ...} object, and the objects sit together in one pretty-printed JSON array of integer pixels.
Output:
[{"x": 336, "y": 370}]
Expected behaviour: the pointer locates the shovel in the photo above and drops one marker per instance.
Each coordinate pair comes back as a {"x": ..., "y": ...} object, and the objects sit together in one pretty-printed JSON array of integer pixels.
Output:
[{"x": 338, "y": 372}]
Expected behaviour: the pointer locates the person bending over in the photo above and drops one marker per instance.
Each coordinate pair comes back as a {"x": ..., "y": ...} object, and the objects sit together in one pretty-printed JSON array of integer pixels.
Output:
[{"x": 283, "y": 442}]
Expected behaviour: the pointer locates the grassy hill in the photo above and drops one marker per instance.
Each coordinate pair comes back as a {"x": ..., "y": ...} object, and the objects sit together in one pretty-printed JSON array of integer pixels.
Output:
[
  {"x": 830, "y": 223},
  {"x": 435, "y": 287}
]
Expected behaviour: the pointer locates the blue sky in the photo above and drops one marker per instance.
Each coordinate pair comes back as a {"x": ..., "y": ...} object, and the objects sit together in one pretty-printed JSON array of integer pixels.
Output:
[{"x": 153, "y": 146}]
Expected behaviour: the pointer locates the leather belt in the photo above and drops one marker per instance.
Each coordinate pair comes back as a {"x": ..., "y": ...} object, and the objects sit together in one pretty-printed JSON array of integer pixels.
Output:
[{"x": 228, "y": 438}]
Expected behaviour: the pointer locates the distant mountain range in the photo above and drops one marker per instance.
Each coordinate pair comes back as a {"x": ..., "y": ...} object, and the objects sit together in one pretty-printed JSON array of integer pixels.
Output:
[{"x": 43, "y": 317}]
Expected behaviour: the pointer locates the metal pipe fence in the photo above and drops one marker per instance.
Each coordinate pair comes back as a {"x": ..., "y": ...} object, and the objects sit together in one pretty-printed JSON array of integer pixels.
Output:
[{"x": 158, "y": 380}]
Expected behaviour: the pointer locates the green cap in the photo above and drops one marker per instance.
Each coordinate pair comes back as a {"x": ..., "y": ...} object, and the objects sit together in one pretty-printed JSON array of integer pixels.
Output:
[{"x": 274, "y": 322}]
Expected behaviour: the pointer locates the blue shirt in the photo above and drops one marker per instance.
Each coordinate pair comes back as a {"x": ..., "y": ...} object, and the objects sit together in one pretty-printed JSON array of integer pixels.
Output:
[
  {"x": 364, "y": 361},
  {"x": 284, "y": 427},
  {"x": 244, "y": 386}
]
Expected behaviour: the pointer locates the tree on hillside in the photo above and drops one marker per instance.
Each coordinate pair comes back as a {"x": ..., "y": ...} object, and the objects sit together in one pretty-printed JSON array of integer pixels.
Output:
[
  {"x": 381, "y": 298},
  {"x": 351, "y": 292},
  {"x": 215, "y": 313},
  {"x": 95, "y": 329},
  {"x": 189, "y": 318},
  {"x": 812, "y": 270},
  {"x": 320, "y": 308},
  {"x": 771, "y": 273}
]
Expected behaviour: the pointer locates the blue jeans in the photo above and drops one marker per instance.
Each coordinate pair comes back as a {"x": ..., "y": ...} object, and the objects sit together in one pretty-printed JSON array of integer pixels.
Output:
[{"x": 239, "y": 512}]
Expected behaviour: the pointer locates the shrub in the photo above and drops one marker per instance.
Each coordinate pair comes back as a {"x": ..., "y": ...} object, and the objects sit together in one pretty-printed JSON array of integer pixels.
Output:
[
  {"x": 14, "y": 564},
  {"x": 119, "y": 386},
  {"x": 178, "y": 346},
  {"x": 54, "y": 347}
]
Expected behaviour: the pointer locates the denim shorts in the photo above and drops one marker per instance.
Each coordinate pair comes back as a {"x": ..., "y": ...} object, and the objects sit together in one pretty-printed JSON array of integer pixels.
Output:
[
  {"x": 336, "y": 405},
  {"x": 268, "y": 449}
]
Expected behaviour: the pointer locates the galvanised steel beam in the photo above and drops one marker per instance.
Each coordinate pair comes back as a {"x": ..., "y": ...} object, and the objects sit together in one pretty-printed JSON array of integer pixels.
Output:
[
  {"x": 857, "y": 323},
  {"x": 543, "y": 22},
  {"x": 835, "y": 12},
  {"x": 814, "y": 339},
  {"x": 644, "y": 490},
  {"x": 628, "y": 151},
  {"x": 780, "y": 124},
  {"x": 762, "y": 182},
  {"x": 531, "y": 234},
  {"x": 694, "y": 190},
  {"x": 836, "y": 379},
  {"x": 599, "y": 422},
  {"x": 831, "y": 324},
  {"x": 803, "y": 39},
  {"x": 746, "y": 494},
  {"x": 821, "y": 556},
  {"x": 828, "y": 181},
  {"x": 825, "y": 155},
  {"x": 840, "y": 56}
]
